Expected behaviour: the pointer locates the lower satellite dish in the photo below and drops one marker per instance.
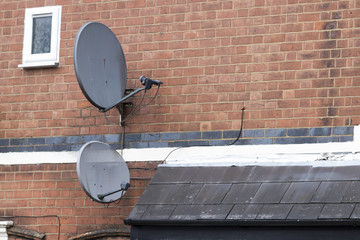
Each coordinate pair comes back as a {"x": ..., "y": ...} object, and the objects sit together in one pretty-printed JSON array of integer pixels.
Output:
[{"x": 102, "y": 172}]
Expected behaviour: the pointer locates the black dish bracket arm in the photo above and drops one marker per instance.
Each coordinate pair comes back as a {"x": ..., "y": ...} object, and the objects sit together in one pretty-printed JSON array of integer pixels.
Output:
[
  {"x": 147, "y": 82},
  {"x": 122, "y": 100},
  {"x": 124, "y": 187}
]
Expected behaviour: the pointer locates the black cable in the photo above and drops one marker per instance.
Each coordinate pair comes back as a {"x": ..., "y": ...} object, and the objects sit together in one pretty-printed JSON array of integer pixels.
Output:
[
  {"x": 242, "y": 122},
  {"x": 157, "y": 91},
  {"x": 129, "y": 115},
  {"x": 108, "y": 120},
  {"x": 122, "y": 143},
  {"x": 139, "y": 106},
  {"x": 171, "y": 153},
  {"x": 241, "y": 127},
  {"x": 135, "y": 109}
]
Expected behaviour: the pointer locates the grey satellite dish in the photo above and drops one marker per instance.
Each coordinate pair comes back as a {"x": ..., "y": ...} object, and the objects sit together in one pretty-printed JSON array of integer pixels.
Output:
[
  {"x": 103, "y": 173},
  {"x": 100, "y": 67}
]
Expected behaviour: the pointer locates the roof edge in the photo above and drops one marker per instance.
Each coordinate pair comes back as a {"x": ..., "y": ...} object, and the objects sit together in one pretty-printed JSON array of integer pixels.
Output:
[{"x": 245, "y": 223}]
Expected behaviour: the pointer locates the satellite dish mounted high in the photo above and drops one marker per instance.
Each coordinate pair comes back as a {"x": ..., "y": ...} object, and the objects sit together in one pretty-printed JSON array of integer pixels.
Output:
[
  {"x": 100, "y": 67},
  {"x": 103, "y": 173}
]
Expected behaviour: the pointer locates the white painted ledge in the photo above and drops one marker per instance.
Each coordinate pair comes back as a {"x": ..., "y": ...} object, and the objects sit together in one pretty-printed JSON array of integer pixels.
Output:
[
  {"x": 321, "y": 153},
  {"x": 344, "y": 153}
]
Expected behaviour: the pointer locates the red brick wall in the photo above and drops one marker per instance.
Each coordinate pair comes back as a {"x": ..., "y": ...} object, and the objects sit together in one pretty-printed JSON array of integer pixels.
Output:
[
  {"x": 36, "y": 196},
  {"x": 291, "y": 63}
]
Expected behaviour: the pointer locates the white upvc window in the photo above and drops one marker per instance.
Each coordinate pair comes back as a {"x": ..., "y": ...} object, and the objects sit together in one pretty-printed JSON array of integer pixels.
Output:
[{"x": 41, "y": 37}]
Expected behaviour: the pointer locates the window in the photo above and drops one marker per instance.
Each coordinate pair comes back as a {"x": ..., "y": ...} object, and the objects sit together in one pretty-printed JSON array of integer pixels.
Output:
[{"x": 41, "y": 37}]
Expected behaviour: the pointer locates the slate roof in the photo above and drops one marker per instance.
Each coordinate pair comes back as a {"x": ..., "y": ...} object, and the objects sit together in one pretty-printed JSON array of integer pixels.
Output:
[{"x": 249, "y": 194}]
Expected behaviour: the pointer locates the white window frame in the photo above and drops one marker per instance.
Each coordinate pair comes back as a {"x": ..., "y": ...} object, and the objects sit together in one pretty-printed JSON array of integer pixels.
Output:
[{"x": 50, "y": 59}]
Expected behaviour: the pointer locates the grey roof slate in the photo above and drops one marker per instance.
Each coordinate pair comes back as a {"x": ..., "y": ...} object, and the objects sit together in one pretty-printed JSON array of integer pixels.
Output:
[
  {"x": 337, "y": 211},
  {"x": 331, "y": 191},
  {"x": 274, "y": 211},
  {"x": 255, "y": 193},
  {"x": 270, "y": 192},
  {"x": 245, "y": 211},
  {"x": 241, "y": 193},
  {"x": 212, "y": 193},
  {"x": 300, "y": 192}
]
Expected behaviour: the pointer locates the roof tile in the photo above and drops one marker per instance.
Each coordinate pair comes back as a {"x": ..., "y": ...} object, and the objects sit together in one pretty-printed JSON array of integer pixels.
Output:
[
  {"x": 278, "y": 173},
  {"x": 222, "y": 174},
  {"x": 353, "y": 193},
  {"x": 241, "y": 193},
  {"x": 201, "y": 212},
  {"x": 305, "y": 211},
  {"x": 155, "y": 194},
  {"x": 212, "y": 193},
  {"x": 138, "y": 212},
  {"x": 300, "y": 192},
  {"x": 331, "y": 192},
  {"x": 158, "y": 212},
  {"x": 356, "y": 213},
  {"x": 173, "y": 175},
  {"x": 183, "y": 194},
  {"x": 188, "y": 212},
  {"x": 270, "y": 193},
  {"x": 274, "y": 211},
  {"x": 245, "y": 211},
  {"x": 338, "y": 211}
]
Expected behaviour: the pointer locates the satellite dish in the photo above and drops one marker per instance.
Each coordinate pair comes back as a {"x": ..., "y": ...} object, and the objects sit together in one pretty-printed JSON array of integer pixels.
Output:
[
  {"x": 100, "y": 67},
  {"x": 103, "y": 173}
]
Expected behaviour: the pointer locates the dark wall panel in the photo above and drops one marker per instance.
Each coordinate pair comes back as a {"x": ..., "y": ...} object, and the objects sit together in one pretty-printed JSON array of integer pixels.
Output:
[{"x": 244, "y": 233}]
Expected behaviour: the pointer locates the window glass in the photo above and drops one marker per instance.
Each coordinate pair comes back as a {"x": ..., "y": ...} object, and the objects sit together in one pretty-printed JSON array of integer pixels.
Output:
[{"x": 41, "y": 38}]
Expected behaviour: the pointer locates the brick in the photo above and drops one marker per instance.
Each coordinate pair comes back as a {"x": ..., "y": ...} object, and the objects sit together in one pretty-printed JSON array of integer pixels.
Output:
[
  {"x": 138, "y": 145},
  {"x": 170, "y": 136},
  {"x": 110, "y": 138},
  {"x": 242, "y": 142},
  {"x": 89, "y": 138},
  {"x": 219, "y": 142},
  {"x": 158, "y": 144},
  {"x": 73, "y": 139},
  {"x": 36, "y": 141},
  {"x": 190, "y": 135},
  {"x": 212, "y": 135},
  {"x": 343, "y": 130},
  {"x": 198, "y": 143},
  {"x": 150, "y": 137},
  {"x": 289, "y": 66},
  {"x": 254, "y": 133},
  {"x": 284, "y": 140},
  {"x": 320, "y": 131},
  {"x": 275, "y": 132},
  {"x": 327, "y": 139},
  {"x": 298, "y": 132},
  {"x": 132, "y": 137},
  {"x": 179, "y": 144},
  {"x": 261, "y": 141},
  {"x": 346, "y": 138}
]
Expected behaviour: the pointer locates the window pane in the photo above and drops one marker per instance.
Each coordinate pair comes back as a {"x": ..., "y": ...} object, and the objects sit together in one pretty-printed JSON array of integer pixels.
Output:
[{"x": 41, "y": 38}]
